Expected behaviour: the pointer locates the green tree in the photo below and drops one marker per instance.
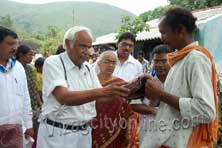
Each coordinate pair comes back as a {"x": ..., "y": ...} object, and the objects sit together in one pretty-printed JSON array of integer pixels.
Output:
[
  {"x": 6, "y": 21},
  {"x": 51, "y": 40},
  {"x": 38, "y": 41},
  {"x": 188, "y": 4},
  {"x": 156, "y": 13},
  {"x": 195, "y": 4},
  {"x": 134, "y": 26},
  {"x": 42, "y": 42},
  {"x": 52, "y": 31}
]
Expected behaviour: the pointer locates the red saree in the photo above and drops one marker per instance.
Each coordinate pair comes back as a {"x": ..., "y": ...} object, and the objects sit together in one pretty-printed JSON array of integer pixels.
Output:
[
  {"x": 11, "y": 136},
  {"x": 110, "y": 125},
  {"x": 133, "y": 127}
]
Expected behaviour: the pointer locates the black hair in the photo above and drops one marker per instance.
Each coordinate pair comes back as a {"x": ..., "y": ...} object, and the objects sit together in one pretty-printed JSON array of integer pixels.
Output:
[
  {"x": 22, "y": 49},
  {"x": 60, "y": 49},
  {"x": 127, "y": 35},
  {"x": 4, "y": 32},
  {"x": 141, "y": 53},
  {"x": 108, "y": 47},
  {"x": 39, "y": 62},
  {"x": 175, "y": 17},
  {"x": 162, "y": 48}
]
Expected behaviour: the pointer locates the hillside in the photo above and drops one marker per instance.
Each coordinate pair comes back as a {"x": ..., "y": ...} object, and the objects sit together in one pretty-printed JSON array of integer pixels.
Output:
[{"x": 101, "y": 18}]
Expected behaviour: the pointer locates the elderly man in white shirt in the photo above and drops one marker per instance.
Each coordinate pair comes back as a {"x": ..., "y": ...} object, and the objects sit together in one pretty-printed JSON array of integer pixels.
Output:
[
  {"x": 70, "y": 89},
  {"x": 187, "y": 100},
  {"x": 15, "y": 108}
]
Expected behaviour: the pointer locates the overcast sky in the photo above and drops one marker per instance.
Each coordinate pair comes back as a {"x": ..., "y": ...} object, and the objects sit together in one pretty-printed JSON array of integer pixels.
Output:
[{"x": 134, "y": 6}]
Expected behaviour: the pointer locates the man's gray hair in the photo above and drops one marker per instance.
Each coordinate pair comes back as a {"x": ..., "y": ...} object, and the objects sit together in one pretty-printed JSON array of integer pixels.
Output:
[{"x": 71, "y": 34}]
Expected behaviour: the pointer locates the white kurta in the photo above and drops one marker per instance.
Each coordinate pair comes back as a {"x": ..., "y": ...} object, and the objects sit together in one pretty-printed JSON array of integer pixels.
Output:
[{"x": 189, "y": 79}]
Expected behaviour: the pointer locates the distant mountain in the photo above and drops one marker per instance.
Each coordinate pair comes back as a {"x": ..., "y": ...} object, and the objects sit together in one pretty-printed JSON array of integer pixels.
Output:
[{"x": 100, "y": 18}]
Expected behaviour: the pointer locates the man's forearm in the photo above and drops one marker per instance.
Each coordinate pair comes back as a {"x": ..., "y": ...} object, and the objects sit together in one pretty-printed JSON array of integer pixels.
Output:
[
  {"x": 72, "y": 98},
  {"x": 170, "y": 99}
]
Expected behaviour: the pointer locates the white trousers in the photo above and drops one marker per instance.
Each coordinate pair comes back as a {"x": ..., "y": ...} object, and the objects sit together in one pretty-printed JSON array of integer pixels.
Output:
[{"x": 53, "y": 137}]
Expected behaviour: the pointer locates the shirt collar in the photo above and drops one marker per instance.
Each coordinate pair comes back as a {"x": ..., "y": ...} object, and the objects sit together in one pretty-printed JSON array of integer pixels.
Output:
[
  {"x": 129, "y": 60},
  {"x": 144, "y": 61},
  {"x": 10, "y": 65},
  {"x": 193, "y": 43},
  {"x": 68, "y": 62}
]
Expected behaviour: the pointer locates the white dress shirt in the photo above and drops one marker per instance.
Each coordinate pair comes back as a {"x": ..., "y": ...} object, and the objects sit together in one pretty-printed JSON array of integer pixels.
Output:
[
  {"x": 84, "y": 78},
  {"x": 189, "y": 79},
  {"x": 130, "y": 69},
  {"x": 146, "y": 66},
  {"x": 15, "y": 105}
]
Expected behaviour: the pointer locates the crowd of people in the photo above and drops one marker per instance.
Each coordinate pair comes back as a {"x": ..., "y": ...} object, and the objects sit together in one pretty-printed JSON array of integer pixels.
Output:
[{"x": 79, "y": 98}]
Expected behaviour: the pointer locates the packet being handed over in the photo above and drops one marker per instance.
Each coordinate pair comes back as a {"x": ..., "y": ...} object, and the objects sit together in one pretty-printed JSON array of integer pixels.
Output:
[{"x": 137, "y": 87}]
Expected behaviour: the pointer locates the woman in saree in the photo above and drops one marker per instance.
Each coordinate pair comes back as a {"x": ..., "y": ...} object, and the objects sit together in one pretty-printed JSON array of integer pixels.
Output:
[{"x": 110, "y": 128}]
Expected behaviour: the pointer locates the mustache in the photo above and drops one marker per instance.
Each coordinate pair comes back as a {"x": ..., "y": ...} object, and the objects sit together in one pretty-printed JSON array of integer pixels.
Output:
[
  {"x": 126, "y": 50},
  {"x": 13, "y": 51},
  {"x": 85, "y": 54}
]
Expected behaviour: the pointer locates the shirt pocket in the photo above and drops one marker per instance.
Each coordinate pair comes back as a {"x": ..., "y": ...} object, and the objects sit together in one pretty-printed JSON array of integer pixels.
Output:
[
  {"x": 89, "y": 80},
  {"x": 130, "y": 74},
  {"x": 18, "y": 87}
]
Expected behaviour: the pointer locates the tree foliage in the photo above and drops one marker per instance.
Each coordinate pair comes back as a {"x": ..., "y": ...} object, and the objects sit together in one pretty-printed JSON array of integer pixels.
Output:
[
  {"x": 51, "y": 40},
  {"x": 134, "y": 26},
  {"x": 40, "y": 42},
  {"x": 188, "y": 4},
  {"x": 152, "y": 14},
  {"x": 156, "y": 13},
  {"x": 6, "y": 21},
  {"x": 195, "y": 4}
]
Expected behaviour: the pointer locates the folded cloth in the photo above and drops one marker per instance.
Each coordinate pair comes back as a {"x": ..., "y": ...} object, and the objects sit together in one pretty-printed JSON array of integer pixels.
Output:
[
  {"x": 137, "y": 88},
  {"x": 11, "y": 136}
]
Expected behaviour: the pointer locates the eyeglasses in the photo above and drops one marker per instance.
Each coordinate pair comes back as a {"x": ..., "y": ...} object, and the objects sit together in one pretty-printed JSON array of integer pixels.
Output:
[
  {"x": 160, "y": 61},
  {"x": 30, "y": 54},
  {"x": 124, "y": 44},
  {"x": 109, "y": 62}
]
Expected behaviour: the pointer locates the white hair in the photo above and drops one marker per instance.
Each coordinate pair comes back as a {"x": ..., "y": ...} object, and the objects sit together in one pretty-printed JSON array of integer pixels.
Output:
[
  {"x": 108, "y": 52},
  {"x": 71, "y": 34},
  {"x": 101, "y": 57}
]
